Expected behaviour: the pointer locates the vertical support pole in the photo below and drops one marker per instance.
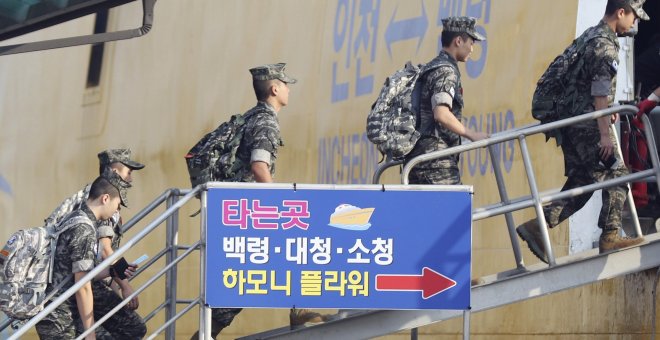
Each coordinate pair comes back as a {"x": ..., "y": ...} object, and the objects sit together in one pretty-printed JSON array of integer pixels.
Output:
[
  {"x": 537, "y": 200},
  {"x": 466, "y": 324},
  {"x": 413, "y": 334},
  {"x": 508, "y": 217},
  {"x": 630, "y": 200},
  {"x": 172, "y": 241},
  {"x": 204, "y": 311},
  {"x": 653, "y": 150}
]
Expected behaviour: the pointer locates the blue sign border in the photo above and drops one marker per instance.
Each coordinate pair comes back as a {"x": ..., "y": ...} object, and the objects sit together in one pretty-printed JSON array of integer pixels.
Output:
[{"x": 434, "y": 236}]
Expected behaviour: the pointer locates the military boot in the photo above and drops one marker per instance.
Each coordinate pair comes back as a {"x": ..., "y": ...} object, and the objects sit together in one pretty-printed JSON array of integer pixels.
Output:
[
  {"x": 530, "y": 232},
  {"x": 611, "y": 240}
]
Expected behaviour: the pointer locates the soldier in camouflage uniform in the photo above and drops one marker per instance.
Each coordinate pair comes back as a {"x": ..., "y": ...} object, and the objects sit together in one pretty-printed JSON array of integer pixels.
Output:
[
  {"x": 109, "y": 235},
  {"x": 587, "y": 146},
  {"x": 76, "y": 254},
  {"x": 257, "y": 154},
  {"x": 442, "y": 104}
]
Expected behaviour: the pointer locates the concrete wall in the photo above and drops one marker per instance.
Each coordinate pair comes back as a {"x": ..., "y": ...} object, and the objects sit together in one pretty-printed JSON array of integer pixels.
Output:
[{"x": 159, "y": 94}]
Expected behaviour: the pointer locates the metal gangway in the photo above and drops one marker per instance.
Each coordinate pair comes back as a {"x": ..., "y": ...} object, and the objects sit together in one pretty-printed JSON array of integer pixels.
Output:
[
  {"x": 520, "y": 283},
  {"x": 172, "y": 252}
]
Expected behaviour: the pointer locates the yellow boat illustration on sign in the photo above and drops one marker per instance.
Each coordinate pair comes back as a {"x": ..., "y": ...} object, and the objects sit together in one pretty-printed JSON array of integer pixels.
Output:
[{"x": 350, "y": 217}]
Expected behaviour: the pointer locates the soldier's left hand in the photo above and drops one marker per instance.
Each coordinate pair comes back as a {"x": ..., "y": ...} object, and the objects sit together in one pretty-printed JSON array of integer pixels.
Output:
[
  {"x": 614, "y": 118},
  {"x": 126, "y": 291},
  {"x": 130, "y": 270}
]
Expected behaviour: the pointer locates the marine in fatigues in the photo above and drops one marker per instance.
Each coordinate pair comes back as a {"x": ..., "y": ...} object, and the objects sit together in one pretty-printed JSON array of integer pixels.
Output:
[
  {"x": 258, "y": 147},
  {"x": 581, "y": 144},
  {"x": 105, "y": 299},
  {"x": 442, "y": 105},
  {"x": 76, "y": 254}
]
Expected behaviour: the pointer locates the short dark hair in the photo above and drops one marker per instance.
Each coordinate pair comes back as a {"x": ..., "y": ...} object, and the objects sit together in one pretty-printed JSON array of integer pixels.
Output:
[
  {"x": 262, "y": 88},
  {"x": 102, "y": 186},
  {"x": 447, "y": 37},
  {"x": 614, "y": 5}
]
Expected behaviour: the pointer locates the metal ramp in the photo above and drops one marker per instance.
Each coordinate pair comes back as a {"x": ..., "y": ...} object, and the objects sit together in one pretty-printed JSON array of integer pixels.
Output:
[
  {"x": 522, "y": 282},
  {"x": 498, "y": 290}
]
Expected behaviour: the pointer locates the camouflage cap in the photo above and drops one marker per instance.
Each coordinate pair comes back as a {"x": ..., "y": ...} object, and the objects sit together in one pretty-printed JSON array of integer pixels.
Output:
[
  {"x": 639, "y": 11},
  {"x": 123, "y": 156},
  {"x": 462, "y": 25},
  {"x": 271, "y": 71},
  {"x": 119, "y": 184}
]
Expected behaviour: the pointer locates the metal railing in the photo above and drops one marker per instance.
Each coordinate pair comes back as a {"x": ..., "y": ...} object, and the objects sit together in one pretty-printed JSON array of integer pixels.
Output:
[
  {"x": 171, "y": 198},
  {"x": 175, "y": 199},
  {"x": 506, "y": 206}
]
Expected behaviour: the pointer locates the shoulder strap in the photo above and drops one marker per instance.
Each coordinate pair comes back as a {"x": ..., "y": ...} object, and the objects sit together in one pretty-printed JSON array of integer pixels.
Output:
[
  {"x": 66, "y": 225},
  {"x": 416, "y": 100}
]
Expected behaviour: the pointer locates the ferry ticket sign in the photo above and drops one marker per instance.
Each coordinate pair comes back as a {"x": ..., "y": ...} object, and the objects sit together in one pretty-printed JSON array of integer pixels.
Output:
[{"x": 339, "y": 248}]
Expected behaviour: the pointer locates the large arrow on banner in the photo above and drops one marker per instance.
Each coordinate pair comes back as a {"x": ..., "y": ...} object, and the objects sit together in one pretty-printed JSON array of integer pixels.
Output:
[
  {"x": 412, "y": 28},
  {"x": 430, "y": 283}
]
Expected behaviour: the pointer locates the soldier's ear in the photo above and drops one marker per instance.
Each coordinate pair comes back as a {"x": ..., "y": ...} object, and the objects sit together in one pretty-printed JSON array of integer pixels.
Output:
[
  {"x": 274, "y": 88},
  {"x": 105, "y": 198}
]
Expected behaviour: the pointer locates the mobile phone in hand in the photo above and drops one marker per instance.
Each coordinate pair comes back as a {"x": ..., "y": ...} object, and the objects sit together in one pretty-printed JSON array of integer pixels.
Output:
[
  {"x": 141, "y": 259},
  {"x": 120, "y": 268}
]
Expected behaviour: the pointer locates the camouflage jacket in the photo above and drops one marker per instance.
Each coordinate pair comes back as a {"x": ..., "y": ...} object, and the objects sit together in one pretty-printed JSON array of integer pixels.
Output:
[
  {"x": 444, "y": 80},
  {"x": 595, "y": 77},
  {"x": 76, "y": 249},
  {"x": 262, "y": 132}
]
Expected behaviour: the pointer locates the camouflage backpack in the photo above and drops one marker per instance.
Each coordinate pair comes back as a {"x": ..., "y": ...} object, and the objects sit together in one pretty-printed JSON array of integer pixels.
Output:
[
  {"x": 393, "y": 120},
  {"x": 213, "y": 158},
  {"x": 556, "y": 96},
  {"x": 26, "y": 263}
]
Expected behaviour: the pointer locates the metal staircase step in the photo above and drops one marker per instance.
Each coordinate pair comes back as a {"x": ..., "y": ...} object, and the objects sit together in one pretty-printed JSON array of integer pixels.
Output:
[{"x": 498, "y": 290}]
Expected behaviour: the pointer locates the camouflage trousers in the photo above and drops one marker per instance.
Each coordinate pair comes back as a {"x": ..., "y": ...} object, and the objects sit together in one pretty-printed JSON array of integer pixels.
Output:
[
  {"x": 220, "y": 319},
  {"x": 437, "y": 171},
  {"x": 440, "y": 171},
  {"x": 125, "y": 324},
  {"x": 582, "y": 167},
  {"x": 59, "y": 323}
]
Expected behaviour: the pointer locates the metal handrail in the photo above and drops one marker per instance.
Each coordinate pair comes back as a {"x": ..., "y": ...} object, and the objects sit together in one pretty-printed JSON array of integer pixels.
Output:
[
  {"x": 115, "y": 256},
  {"x": 507, "y": 206},
  {"x": 514, "y": 134},
  {"x": 151, "y": 281},
  {"x": 147, "y": 23}
]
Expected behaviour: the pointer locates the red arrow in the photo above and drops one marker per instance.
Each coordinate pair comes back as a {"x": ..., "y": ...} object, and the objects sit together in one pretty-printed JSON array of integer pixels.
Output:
[{"x": 430, "y": 282}]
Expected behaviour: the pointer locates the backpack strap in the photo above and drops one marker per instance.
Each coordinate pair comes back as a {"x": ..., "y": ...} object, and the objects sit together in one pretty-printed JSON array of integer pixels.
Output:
[
  {"x": 62, "y": 227},
  {"x": 416, "y": 100}
]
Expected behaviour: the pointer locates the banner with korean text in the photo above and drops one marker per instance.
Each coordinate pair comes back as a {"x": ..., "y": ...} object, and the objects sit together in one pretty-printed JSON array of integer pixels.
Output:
[{"x": 367, "y": 247}]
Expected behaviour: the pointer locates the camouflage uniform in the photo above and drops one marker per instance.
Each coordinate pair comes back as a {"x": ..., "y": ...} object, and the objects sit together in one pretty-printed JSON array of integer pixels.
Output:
[
  {"x": 580, "y": 143},
  {"x": 76, "y": 251},
  {"x": 105, "y": 299},
  {"x": 261, "y": 139},
  {"x": 441, "y": 81}
]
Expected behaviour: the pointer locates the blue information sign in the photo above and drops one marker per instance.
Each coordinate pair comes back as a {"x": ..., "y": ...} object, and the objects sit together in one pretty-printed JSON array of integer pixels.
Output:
[{"x": 339, "y": 247}]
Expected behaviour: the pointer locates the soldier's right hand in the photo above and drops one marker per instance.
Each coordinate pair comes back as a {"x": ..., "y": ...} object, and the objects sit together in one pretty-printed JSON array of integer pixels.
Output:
[
  {"x": 477, "y": 135},
  {"x": 606, "y": 147}
]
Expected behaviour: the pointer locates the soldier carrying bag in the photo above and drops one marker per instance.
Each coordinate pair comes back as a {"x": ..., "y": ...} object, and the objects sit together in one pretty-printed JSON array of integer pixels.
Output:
[
  {"x": 213, "y": 158},
  {"x": 556, "y": 94},
  {"x": 26, "y": 268},
  {"x": 393, "y": 121}
]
